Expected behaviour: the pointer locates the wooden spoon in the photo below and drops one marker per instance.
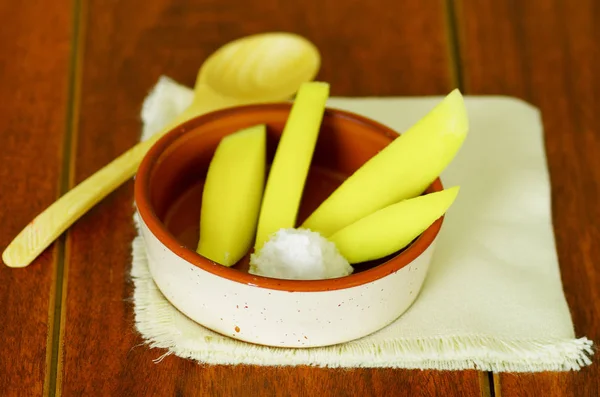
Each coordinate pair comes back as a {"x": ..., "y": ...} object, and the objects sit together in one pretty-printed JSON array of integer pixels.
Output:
[{"x": 266, "y": 67}]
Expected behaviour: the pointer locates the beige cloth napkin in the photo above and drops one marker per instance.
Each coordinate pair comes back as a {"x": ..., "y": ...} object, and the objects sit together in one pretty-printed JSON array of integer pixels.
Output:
[{"x": 493, "y": 297}]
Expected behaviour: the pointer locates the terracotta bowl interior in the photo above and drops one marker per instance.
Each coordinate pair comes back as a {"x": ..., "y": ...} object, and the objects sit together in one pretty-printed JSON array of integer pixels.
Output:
[{"x": 174, "y": 174}]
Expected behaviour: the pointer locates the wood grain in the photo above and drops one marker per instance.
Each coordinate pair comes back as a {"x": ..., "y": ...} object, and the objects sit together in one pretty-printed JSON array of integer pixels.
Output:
[
  {"x": 34, "y": 63},
  {"x": 547, "y": 53},
  {"x": 368, "y": 49}
]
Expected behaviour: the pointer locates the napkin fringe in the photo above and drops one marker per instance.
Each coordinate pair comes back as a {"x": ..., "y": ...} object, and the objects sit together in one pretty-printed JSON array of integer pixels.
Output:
[{"x": 155, "y": 322}]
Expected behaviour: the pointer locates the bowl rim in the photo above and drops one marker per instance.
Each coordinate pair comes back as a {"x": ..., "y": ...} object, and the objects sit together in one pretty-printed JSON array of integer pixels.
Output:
[{"x": 156, "y": 227}]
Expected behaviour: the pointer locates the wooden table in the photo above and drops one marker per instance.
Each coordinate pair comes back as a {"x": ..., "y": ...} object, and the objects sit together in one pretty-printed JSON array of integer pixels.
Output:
[{"x": 73, "y": 75}]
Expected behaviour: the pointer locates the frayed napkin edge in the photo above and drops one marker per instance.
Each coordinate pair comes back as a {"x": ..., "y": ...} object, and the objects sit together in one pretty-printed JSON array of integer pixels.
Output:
[{"x": 155, "y": 324}]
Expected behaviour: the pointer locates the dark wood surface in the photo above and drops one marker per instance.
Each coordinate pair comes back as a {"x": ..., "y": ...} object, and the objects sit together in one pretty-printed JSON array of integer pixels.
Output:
[
  {"x": 547, "y": 53},
  {"x": 34, "y": 64},
  {"x": 126, "y": 49},
  {"x": 542, "y": 51}
]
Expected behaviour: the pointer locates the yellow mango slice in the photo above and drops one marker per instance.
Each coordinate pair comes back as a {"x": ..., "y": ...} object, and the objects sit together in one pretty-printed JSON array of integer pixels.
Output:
[
  {"x": 392, "y": 228},
  {"x": 287, "y": 176},
  {"x": 402, "y": 170},
  {"x": 232, "y": 195}
]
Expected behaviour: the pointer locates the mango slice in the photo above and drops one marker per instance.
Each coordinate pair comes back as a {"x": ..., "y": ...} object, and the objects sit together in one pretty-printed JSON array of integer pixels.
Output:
[
  {"x": 404, "y": 169},
  {"x": 232, "y": 195},
  {"x": 392, "y": 228},
  {"x": 289, "y": 170}
]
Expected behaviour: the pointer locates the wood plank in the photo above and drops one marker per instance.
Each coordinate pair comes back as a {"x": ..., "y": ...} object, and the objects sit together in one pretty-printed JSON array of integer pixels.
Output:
[
  {"x": 546, "y": 52},
  {"x": 34, "y": 64},
  {"x": 128, "y": 45}
]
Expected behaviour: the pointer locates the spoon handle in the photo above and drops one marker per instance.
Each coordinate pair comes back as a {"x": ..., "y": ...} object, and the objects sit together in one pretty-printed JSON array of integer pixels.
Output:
[{"x": 57, "y": 218}]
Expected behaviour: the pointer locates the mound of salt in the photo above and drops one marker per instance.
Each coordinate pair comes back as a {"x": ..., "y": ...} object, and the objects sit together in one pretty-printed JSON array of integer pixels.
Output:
[{"x": 299, "y": 254}]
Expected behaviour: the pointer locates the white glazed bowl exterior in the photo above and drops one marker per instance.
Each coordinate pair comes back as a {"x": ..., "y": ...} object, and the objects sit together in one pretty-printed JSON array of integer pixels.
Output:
[{"x": 282, "y": 318}]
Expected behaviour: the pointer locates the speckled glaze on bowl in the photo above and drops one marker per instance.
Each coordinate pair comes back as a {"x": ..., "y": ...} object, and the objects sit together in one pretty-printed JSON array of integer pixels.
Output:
[{"x": 261, "y": 310}]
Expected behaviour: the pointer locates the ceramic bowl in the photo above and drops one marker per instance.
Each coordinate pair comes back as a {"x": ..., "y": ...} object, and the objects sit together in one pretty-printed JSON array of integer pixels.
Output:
[{"x": 261, "y": 310}]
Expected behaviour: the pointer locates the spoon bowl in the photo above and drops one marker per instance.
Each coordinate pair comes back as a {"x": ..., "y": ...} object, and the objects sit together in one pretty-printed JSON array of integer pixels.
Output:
[{"x": 270, "y": 66}]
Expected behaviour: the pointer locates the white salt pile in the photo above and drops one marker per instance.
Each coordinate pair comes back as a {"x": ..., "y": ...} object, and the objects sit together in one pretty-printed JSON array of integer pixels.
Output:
[{"x": 299, "y": 254}]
